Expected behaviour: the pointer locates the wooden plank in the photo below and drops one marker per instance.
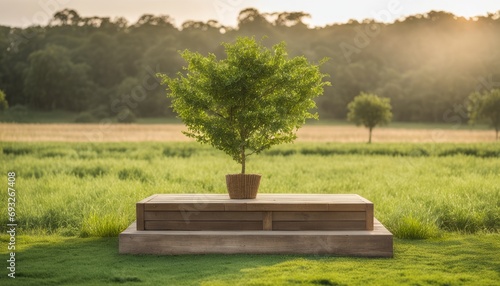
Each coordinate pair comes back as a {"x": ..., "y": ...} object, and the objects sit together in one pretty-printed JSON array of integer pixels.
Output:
[
  {"x": 313, "y": 208},
  {"x": 347, "y": 207},
  {"x": 319, "y": 225},
  {"x": 267, "y": 222},
  {"x": 379, "y": 229},
  {"x": 253, "y": 207},
  {"x": 264, "y": 202},
  {"x": 364, "y": 200},
  {"x": 318, "y": 216},
  {"x": 197, "y": 215},
  {"x": 183, "y": 207},
  {"x": 241, "y": 207},
  {"x": 139, "y": 212},
  {"x": 203, "y": 197},
  {"x": 203, "y": 225},
  {"x": 369, "y": 217},
  {"x": 376, "y": 243},
  {"x": 287, "y": 207},
  {"x": 152, "y": 197},
  {"x": 262, "y": 198}
]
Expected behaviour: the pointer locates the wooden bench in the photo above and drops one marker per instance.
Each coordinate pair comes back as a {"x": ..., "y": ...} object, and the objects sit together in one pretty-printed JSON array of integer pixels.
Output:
[
  {"x": 330, "y": 224},
  {"x": 266, "y": 212}
]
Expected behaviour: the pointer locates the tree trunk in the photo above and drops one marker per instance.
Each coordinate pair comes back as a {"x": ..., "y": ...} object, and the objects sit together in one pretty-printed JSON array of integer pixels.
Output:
[
  {"x": 243, "y": 159},
  {"x": 370, "y": 135}
]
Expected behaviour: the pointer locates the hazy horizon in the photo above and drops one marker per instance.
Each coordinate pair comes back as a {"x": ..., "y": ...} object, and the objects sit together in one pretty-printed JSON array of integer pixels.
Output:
[{"x": 23, "y": 13}]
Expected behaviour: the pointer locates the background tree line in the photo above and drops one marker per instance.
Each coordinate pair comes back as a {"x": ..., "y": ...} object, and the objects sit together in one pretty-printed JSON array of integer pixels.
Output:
[{"x": 426, "y": 64}]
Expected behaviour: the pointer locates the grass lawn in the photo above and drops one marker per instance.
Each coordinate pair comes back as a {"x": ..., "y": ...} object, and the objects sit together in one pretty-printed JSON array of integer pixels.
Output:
[
  {"x": 452, "y": 260},
  {"x": 74, "y": 198}
]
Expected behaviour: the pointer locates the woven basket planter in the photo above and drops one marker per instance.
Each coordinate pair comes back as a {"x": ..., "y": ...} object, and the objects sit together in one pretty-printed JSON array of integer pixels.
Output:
[{"x": 242, "y": 186}]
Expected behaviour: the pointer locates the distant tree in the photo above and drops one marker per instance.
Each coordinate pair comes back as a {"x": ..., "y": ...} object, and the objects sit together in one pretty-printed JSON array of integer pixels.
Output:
[
  {"x": 407, "y": 61},
  {"x": 53, "y": 81},
  {"x": 65, "y": 17},
  {"x": 3, "y": 101},
  {"x": 291, "y": 19},
  {"x": 251, "y": 22},
  {"x": 244, "y": 104},
  {"x": 100, "y": 53},
  {"x": 152, "y": 20},
  {"x": 485, "y": 106},
  {"x": 369, "y": 110}
]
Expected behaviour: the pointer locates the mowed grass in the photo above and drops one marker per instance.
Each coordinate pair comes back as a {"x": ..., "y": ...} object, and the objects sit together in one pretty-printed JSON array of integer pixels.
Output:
[
  {"x": 452, "y": 260},
  {"x": 74, "y": 198}
]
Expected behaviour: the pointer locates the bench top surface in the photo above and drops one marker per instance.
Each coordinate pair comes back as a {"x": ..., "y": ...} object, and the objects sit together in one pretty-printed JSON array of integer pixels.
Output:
[
  {"x": 354, "y": 209},
  {"x": 262, "y": 199}
]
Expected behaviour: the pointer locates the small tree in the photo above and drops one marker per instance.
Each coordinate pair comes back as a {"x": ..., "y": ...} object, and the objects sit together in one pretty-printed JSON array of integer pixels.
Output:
[
  {"x": 369, "y": 110},
  {"x": 3, "y": 101},
  {"x": 248, "y": 102},
  {"x": 485, "y": 106}
]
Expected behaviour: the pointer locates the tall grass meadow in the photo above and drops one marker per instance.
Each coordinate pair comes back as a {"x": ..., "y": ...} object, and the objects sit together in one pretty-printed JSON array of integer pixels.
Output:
[{"x": 90, "y": 189}]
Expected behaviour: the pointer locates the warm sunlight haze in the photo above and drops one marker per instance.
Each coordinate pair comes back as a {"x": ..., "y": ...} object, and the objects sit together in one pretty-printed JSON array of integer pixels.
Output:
[
  {"x": 22, "y": 13},
  {"x": 249, "y": 142}
]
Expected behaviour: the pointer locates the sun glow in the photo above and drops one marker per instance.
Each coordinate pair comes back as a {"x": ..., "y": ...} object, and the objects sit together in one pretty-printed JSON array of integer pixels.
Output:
[{"x": 323, "y": 12}]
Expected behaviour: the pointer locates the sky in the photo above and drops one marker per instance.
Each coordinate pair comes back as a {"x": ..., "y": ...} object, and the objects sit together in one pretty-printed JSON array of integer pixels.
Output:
[{"x": 23, "y": 13}]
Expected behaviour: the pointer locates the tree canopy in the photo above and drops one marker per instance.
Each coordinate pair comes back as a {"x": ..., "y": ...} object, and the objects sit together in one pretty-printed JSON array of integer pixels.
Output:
[
  {"x": 369, "y": 110},
  {"x": 485, "y": 106},
  {"x": 3, "y": 101},
  {"x": 247, "y": 102},
  {"x": 426, "y": 63},
  {"x": 53, "y": 81}
]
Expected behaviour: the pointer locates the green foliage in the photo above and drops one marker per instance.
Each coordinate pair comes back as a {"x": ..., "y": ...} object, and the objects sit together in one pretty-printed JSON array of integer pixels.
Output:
[
  {"x": 22, "y": 114},
  {"x": 485, "y": 106},
  {"x": 3, "y": 101},
  {"x": 54, "y": 81},
  {"x": 100, "y": 112},
  {"x": 18, "y": 108},
  {"x": 85, "y": 117},
  {"x": 126, "y": 116},
  {"x": 411, "y": 61},
  {"x": 248, "y": 102},
  {"x": 369, "y": 110}
]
